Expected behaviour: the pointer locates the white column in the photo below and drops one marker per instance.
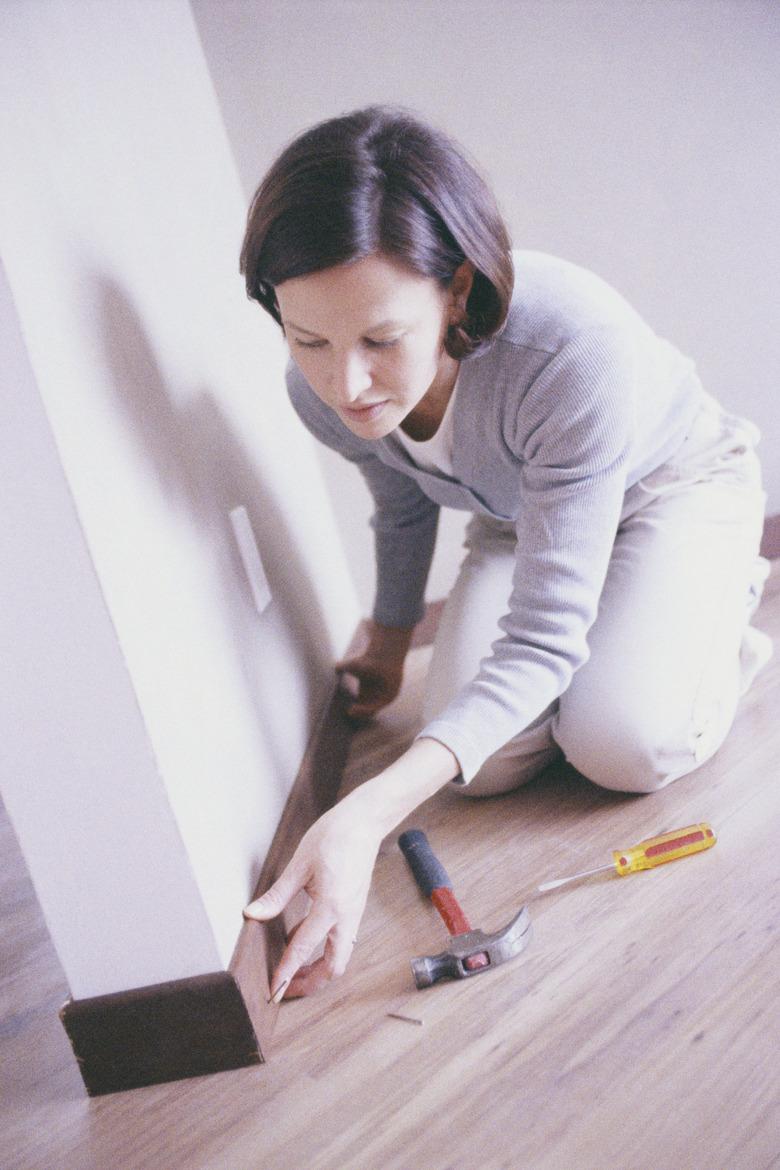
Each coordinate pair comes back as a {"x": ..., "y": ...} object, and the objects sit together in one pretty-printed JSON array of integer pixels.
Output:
[{"x": 152, "y": 720}]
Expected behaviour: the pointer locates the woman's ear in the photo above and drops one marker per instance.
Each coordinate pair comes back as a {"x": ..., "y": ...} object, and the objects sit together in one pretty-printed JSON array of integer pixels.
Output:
[{"x": 460, "y": 285}]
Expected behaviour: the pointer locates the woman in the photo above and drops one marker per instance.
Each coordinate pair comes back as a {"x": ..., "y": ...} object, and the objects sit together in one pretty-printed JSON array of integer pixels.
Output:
[{"x": 602, "y": 609}]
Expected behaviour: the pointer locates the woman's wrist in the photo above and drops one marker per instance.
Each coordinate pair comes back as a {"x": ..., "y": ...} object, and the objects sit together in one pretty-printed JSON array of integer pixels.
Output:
[
  {"x": 421, "y": 771},
  {"x": 389, "y": 643}
]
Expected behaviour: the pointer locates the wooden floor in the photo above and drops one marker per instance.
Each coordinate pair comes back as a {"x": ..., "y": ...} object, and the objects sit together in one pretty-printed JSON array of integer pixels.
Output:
[{"x": 639, "y": 1030}]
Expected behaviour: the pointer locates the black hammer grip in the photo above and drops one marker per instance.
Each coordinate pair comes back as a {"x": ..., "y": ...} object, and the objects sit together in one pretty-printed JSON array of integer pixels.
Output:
[{"x": 429, "y": 873}]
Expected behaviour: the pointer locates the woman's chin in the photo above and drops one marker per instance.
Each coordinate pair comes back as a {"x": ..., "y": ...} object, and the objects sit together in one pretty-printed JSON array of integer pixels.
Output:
[{"x": 374, "y": 422}]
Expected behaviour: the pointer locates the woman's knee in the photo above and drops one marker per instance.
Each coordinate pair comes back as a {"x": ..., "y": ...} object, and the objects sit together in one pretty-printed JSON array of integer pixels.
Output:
[{"x": 625, "y": 750}]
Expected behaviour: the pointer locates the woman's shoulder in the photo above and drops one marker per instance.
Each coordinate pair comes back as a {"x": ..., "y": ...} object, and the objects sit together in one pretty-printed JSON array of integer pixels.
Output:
[{"x": 555, "y": 300}]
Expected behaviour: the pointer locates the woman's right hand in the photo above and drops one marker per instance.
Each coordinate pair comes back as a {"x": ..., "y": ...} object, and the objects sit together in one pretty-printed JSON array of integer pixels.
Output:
[
  {"x": 376, "y": 673},
  {"x": 333, "y": 864}
]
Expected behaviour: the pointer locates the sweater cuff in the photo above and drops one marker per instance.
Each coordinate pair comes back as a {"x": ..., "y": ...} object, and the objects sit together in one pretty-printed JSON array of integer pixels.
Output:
[
  {"x": 398, "y": 614},
  {"x": 465, "y": 750}
]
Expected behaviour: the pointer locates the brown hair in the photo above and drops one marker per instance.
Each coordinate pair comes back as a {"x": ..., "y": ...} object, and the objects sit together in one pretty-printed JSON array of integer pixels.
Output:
[{"x": 378, "y": 180}]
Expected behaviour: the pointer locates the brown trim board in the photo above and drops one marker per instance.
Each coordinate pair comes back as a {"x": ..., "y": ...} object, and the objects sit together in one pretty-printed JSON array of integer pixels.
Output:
[
  {"x": 260, "y": 944},
  {"x": 184, "y": 1028}
]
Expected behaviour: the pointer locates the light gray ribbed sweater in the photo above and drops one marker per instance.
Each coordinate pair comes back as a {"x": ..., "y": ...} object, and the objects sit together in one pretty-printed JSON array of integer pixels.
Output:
[{"x": 573, "y": 402}]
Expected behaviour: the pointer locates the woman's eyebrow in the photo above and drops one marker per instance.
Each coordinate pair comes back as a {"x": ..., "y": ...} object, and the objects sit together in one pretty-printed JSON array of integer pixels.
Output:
[
  {"x": 300, "y": 328},
  {"x": 389, "y": 324}
]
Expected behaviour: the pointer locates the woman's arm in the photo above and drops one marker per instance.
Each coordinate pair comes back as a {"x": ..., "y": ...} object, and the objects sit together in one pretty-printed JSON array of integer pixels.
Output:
[
  {"x": 334, "y": 863},
  {"x": 571, "y": 433}
]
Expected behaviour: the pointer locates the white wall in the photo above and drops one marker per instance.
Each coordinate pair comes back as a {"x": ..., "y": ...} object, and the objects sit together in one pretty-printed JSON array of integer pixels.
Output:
[
  {"x": 162, "y": 387},
  {"x": 636, "y": 137},
  {"x": 79, "y": 777}
]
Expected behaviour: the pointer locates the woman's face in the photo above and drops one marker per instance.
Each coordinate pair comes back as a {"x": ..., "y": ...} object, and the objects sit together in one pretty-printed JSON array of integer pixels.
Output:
[{"x": 368, "y": 337}]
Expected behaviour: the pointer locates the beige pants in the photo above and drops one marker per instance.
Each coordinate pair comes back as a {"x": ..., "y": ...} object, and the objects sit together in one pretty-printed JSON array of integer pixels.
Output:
[{"x": 671, "y": 650}]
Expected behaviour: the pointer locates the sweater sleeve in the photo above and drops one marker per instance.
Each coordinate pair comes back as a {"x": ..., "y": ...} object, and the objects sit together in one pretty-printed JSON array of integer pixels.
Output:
[
  {"x": 404, "y": 520},
  {"x": 571, "y": 435}
]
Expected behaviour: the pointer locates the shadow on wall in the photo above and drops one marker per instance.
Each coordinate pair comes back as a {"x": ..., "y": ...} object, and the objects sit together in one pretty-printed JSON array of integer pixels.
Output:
[{"x": 200, "y": 462}]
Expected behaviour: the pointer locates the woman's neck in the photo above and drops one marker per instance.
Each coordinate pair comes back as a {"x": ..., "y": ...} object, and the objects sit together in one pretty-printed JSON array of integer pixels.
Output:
[{"x": 423, "y": 422}]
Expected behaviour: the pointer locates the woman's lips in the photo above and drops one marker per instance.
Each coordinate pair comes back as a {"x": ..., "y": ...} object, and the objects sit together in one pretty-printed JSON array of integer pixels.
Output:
[{"x": 365, "y": 413}]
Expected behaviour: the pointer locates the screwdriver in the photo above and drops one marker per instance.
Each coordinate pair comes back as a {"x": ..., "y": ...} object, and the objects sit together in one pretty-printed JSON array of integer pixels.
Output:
[{"x": 647, "y": 854}]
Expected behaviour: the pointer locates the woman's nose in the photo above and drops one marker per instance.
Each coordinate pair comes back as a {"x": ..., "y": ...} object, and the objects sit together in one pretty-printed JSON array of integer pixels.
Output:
[{"x": 351, "y": 377}]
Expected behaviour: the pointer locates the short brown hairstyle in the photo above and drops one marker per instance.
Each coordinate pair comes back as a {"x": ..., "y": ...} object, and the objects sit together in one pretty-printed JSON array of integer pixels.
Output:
[{"x": 380, "y": 181}]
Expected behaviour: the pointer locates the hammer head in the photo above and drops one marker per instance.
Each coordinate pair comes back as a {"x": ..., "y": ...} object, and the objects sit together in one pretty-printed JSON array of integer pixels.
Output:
[{"x": 474, "y": 952}]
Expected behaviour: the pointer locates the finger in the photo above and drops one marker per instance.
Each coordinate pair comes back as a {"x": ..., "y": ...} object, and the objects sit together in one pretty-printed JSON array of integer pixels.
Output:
[
  {"x": 354, "y": 662},
  {"x": 338, "y": 948},
  {"x": 311, "y": 977},
  {"x": 349, "y": 666},
  {"x": 349, "y": 684},
  {"x": 365, "y": 710},
  {"x": 274, "y": 900},
  {"x": 304, "y": 982},
  {"x": 303, "y": 942},
  {"x": 364, "y": 704},
  {"x": 308, "y": 980},
  {"x": 362, "y": 672}
]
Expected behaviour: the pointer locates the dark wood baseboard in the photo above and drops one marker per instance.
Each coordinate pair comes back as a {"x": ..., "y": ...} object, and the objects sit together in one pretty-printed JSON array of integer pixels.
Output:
[
  {"x": 770, "y": 544},
  {"x": 166, "y": 1032},
  {"x": 260, "y": 944}
]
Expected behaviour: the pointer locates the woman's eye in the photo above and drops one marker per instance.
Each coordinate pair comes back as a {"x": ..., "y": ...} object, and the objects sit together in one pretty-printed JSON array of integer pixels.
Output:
[{"x": 369, "y": 341}]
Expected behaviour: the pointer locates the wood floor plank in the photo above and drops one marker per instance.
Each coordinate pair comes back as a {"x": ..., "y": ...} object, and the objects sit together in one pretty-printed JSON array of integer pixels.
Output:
[{"x": 640, "y": 1029}]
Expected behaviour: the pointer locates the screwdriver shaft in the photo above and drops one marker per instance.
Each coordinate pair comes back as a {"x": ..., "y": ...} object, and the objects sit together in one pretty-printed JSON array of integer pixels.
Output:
[{"x": 575, "y": 877}]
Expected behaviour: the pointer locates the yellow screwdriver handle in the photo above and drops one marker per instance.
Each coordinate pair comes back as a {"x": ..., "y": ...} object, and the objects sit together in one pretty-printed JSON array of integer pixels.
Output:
[{"x": 666, "y": 847}]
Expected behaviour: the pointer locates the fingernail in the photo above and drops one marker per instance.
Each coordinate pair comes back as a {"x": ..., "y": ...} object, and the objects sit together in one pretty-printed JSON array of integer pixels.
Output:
[{"x": 277, "y": 995}]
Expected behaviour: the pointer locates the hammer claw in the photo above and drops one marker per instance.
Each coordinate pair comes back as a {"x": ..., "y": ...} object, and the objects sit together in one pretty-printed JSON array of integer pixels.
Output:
[{"x": 454, "y": 962}]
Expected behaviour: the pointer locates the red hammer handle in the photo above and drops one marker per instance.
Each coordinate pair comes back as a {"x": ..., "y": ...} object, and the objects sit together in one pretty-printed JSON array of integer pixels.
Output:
[
  {"x": 449, "y": 907},
  {"x": 433, "y": 880}
]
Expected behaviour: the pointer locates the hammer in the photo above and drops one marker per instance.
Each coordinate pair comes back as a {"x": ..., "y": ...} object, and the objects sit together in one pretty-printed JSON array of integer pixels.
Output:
[{"x": 470, "y": 951}]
